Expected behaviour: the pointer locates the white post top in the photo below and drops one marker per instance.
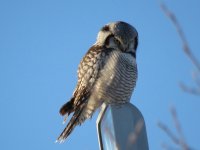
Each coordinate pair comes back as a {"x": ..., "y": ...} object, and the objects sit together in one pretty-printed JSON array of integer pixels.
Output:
[{"x": 121, "y": 127}]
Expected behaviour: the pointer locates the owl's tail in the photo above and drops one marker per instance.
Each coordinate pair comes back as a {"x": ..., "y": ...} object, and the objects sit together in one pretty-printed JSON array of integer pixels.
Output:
[{"x": 75, "y": 120}]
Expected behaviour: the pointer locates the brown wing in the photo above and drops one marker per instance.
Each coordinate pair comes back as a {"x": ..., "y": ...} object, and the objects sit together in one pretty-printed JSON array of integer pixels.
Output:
[
  {"x": 88, "y": 72},
  {"x": 87, "y": 75}
]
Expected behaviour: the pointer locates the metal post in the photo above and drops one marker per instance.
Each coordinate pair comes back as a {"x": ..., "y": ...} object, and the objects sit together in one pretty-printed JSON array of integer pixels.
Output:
[{"x": 121, "y": 127}]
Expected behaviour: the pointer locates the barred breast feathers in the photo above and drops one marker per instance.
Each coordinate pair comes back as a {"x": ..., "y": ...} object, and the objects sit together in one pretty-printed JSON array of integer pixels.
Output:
[{"x": 117, "y": 79}]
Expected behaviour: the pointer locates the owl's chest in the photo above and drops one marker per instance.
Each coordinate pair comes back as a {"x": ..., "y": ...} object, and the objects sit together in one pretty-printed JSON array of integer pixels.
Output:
[{"x": 117, "y": 78}]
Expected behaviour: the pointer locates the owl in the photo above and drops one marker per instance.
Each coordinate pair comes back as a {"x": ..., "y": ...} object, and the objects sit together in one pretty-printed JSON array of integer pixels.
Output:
[{"x": 106, "y": 74}]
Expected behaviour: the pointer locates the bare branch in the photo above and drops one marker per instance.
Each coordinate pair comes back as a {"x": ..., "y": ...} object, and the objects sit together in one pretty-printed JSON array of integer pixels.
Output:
[
  {"x": 180, "y": 32},
  {"x": 167, "y": 147},
  {"x": 194, "y": 91},
  {"x": 169, "y": 133},
  {"x": 196, "y": 78},
  {"x": 182, "y": 141},
  {"x": 186, "y": 49},
  {"x": 179, "y": 139}
]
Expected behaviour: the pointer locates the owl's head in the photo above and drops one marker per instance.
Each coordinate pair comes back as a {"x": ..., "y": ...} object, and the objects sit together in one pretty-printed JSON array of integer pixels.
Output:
[{"x": 118, "y": 35}]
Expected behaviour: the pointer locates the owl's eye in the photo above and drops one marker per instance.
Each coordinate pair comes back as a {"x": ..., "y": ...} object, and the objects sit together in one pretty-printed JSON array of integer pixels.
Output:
[
  {"x": 117, "y": 42},
  {"x": 112, "y": 42},
  {"x": 107, "y": 42}
]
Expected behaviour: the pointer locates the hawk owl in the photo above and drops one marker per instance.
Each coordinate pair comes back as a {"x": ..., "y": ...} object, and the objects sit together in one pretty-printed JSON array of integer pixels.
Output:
[{"x": 106, "y": 74}]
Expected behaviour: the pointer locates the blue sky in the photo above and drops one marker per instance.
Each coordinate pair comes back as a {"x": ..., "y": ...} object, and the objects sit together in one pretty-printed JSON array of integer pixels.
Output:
[{"x": 42, "y": 43}]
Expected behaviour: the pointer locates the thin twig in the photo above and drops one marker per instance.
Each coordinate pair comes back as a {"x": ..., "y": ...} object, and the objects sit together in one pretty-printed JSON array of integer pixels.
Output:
[
  {"x": 178, "y": 140},
  {"x": 191, "y": 90},
  {"x": 182, "y": 141},
  {"x": 169, "y": 133},
  {"x": 180, "y": 32},
  {"x": 186, "y": 49},
  {"x": 167, "y": 147},
  {"x": 196, "y": 78}
]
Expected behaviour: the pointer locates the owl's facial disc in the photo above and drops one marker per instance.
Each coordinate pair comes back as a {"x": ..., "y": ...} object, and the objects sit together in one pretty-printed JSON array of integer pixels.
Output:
[{"x": 119, "y": 35}]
